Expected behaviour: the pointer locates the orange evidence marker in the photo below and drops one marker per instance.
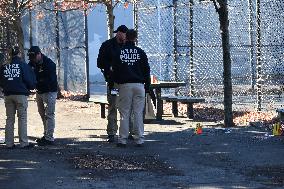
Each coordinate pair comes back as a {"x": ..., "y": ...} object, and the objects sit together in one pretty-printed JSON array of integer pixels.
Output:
[{"x": 198, "y": 129}]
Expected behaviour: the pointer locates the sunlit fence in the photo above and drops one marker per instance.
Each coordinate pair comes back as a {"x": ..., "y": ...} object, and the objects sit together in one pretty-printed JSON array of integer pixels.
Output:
[
  {"x": 61, "y": 36},
  {"x": 183, "y": 42}
]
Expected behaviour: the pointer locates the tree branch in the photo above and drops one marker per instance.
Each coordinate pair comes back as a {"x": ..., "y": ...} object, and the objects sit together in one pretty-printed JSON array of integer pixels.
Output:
[{"x": 216, "y": 6}]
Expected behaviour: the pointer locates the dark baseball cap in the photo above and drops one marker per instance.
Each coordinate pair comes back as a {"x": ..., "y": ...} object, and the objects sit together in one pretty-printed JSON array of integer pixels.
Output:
[
  {"x": 34, "y": 50},
  {"x": 121, "y": 28},
  {"x": 15, "y": 50}
]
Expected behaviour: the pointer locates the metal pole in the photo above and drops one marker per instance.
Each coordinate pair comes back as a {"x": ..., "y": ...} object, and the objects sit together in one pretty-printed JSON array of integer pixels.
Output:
[
  {"x": 258, "y": 57},
  {"x": 135, "y": 18},
  {"x": 251, "y": 44},
  {"x": 87, "y": 55},
  {"x": 175, "y": 40},
  {"x": 192, "y": 79}
]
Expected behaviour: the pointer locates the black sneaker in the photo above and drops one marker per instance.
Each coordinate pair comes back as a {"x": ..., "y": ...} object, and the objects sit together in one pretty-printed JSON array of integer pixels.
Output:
[
  {"x": 39, "y": 139},
  {"x": 44, "y": 142},
  {"x": 110, "y": 138},
  {"x": 120, "y": 145},
  {"x": 30, "y": 145},
  {"x": 130, "y": 137},
  {"x": 11, "y": 147}
]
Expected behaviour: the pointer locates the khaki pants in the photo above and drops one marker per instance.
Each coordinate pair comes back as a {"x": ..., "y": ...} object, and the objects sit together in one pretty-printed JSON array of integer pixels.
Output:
[
  {"x": 46, "y": 109},
  {"x": 131, "y": 100},
  {"x": 13, "y": 104},
  {"x": 112, "y": 113}
]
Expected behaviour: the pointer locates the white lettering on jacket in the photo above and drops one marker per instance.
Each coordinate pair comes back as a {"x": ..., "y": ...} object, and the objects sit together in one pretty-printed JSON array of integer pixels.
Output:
[
  {"x": 129, "y": 56},
  {"x": 12, "y": 71}
]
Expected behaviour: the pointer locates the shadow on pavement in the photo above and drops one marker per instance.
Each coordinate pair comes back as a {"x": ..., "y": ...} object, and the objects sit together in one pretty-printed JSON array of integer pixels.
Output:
[{"x": 218, "y": 158}]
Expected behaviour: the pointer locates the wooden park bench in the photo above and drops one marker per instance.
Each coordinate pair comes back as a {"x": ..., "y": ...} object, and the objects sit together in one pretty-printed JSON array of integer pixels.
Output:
[
  {"x": 102, "y": 101},
  {"x": 184, "y": 100}
]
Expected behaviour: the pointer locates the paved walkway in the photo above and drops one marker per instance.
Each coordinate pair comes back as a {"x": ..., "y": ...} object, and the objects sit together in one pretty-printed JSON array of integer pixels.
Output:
[{"x": 173, "y": 157}]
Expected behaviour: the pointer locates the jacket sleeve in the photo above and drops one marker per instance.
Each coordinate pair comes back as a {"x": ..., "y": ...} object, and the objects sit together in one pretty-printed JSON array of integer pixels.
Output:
[
  {"x": 104, "y": 56},
  {"x": 1, "y": 76},
  {"x": 103, "y": 60},
  {"x": 51, "y": 69},
  {"x": 101, "y": 57},
  {"x": 146, "y": 72},
  {"x": 28, "y": 76}
]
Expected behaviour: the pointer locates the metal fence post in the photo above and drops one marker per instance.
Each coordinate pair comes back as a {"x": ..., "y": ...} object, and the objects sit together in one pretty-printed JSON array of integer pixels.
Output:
[
  {"x": 191, "y": 76},
  {"x": 258, "y": 56},
  {"x": 87, "y": 53}
]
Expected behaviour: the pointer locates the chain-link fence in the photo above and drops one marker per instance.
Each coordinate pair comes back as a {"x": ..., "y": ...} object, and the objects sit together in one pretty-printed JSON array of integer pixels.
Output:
[
  {"x": 183, "y": 42},
  {"x": 61, "y": 37}
]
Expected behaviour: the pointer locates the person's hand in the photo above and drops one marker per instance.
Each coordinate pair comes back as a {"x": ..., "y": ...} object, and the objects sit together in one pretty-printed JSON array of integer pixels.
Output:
[
  {"x": 106, "y": 76},
  {"x": 33, "y": 92},
  {"x": 111, "y": 85}
]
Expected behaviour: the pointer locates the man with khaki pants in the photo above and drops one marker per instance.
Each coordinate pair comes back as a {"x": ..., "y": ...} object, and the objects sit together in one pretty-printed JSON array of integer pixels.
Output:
[
  {"x": 132, "y": 72},
  {"x": 16, "y": 79},
  {"x": 105, "y": 59},
  {"x": 47, "y": 85}
]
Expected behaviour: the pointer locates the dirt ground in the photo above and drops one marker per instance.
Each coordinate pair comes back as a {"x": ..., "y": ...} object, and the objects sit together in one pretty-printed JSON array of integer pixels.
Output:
[{"x": 173, "y": 156}]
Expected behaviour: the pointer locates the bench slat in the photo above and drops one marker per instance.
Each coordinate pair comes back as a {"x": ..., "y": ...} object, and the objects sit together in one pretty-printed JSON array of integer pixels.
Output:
[
  {"x": 185, "y": 100},
  {"x": 98, "y": 100}
]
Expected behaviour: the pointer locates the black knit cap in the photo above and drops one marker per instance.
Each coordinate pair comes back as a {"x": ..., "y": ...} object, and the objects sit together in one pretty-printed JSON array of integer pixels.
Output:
[
  {"x": 34, "y": 50},
  {"x": 131, "y": 35},
  {"x": 122, "y": 29}
]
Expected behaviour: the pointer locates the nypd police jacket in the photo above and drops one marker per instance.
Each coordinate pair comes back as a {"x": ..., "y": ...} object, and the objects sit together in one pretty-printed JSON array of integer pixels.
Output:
[
  {"x": 17, "y": 78},
  {"x": 131, "y": 66}
]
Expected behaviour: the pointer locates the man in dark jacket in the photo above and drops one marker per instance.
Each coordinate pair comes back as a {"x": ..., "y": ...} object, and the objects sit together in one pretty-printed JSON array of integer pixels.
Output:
[
  {"x": 16, "y": 79},
  {"x": 105, "y": 59},
  {"x": 131, "y": 71},
  {"x": 46, "y": 92}
]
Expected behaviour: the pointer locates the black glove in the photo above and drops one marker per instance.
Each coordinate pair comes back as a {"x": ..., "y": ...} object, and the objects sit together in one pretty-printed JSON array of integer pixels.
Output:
[{"x": 110, "y": 84}]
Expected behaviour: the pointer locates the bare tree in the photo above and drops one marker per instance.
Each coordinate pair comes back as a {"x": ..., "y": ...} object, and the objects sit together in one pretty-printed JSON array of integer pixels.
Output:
[
  {"x": 67, "y": 5},
  {"x": 110, "y": 6},
  {"x": 12, "y": 11},
  {"x": 221, "y": 7}
]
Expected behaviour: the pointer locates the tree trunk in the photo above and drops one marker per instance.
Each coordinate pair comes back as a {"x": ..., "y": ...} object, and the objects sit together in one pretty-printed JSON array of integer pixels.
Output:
[
  {"x": 17, "y": 28},
  {"x": 110, "y": 19},
  {"x": 31, "y": 27},
  {"x": 58, "y": 56},
  {"x": 227, "y": 79}
]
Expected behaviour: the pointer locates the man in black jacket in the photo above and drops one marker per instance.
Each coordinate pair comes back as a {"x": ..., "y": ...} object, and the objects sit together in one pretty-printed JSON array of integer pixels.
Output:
[
  {"x": 46, "y": 92},
  {"x": 131, "y": 71},
  {"x": 16, "y": 79},
  {"x": 105, "y": 59}
]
